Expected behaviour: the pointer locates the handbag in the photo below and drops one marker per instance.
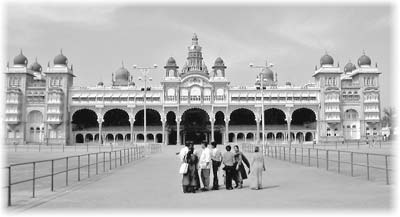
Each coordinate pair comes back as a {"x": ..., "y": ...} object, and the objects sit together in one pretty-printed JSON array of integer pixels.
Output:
[{"x": 184, "y": 168}]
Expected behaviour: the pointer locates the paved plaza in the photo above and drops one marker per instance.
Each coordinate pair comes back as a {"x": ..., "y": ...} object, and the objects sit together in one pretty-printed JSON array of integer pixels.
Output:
[{"x": 154, "y": 183}]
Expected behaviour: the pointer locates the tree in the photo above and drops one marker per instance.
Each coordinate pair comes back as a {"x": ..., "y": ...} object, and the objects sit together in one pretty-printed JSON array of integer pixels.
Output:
[{"x": 388, "y": 119}]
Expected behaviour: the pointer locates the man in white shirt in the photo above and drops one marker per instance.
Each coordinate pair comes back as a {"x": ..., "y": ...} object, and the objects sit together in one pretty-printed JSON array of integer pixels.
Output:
[
  {"x": 182, "y": 153},
  {"x": 205, "y": 165},
  {"x": 216, "y": 158}
]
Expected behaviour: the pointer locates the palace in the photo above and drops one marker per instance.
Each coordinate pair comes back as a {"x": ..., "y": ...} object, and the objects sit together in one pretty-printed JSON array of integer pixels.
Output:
[{"x": 193, "y": 103}]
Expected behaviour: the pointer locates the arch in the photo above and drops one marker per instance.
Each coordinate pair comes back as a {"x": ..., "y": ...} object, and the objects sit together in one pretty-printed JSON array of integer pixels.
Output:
[
  {"x": 195, "y": 91},
  {"x": 150, "y": 137},
  {"x": 351, "y": 114},
  {"x": 196, "y": 122},
  {"x": 128, "y": 137},
  {"x": 139, "y": 137},
  {"x": 159, "y": 138},
  {"x": 242, "y": 116},
  {"x": 240, "y": 137},
  {"x": 89, "y": 137},
  {"x": 35, "y": 117},
  {"x": 79, "y": 138},
  {"x": 250, "y": 136},
  {"x": 279, "y": 136},
  {"x": 119, "y": 137},
  {"x": 116, "y": 117},
  {"x": 84, "y": 119},
  {"x": 309, "y": 137},
  {"x": 110, "y": 137},
  {"x": 300, "y": 137},
  {"x": 274, "y": 116},
  {"x": 153, "y": 118},
  {"x": 231, "y": 137},
  {"x": 304, "y": 117},
  {"x": 96, "y": 137},
  {"x": 270, "y": 136},
  {"x": 219, "y": 118}
]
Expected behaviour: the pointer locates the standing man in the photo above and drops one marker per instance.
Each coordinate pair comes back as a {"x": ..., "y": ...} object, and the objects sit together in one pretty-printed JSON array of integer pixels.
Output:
[
  {"x": 228, "y": 159},
  {"x": 216, "y": 158},
  {"x": 205, "y": 166}
]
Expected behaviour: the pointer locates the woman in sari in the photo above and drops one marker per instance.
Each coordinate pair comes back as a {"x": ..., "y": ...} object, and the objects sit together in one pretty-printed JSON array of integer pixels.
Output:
[
  {"x": 190, "y": 179},
  {"x": 258, "y": 166}
]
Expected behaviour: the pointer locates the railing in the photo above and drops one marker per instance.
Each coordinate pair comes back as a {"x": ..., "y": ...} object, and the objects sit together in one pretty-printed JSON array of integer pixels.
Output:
[
  {"x": 54, "y": 168},
  {"x": 84, "y": 147},
  {"x": 373, "y": 166}
]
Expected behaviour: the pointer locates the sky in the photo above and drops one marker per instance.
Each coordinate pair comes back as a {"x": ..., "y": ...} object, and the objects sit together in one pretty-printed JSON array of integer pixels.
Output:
[{"x": 98, "y": 37}]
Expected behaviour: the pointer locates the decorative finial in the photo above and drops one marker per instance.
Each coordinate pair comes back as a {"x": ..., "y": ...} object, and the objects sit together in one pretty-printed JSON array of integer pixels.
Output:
[
  {"x": 316, "y": 68},
  {"x": 20, "y": 51},
  {"x": 48, "y": 64},
  {"x": 326, "y": 52},
  {"x": 338, "y": 65},
  {"x": 35, "y": 59},
  {"x": 8, "y": 64},
  {"x": 376, "y": 64},
  {"x": 122, "y": 63},
  {"x": 363, "y": 51},
  {"x": 266, "y": 63},
  {"x": 72, "y": 68},
  {"x": 276, "y": 77},
  {"x": 61, "y": 51}
]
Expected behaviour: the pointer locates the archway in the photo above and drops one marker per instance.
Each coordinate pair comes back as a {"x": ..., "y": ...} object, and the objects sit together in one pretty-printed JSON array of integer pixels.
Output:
[
  {"x": 139, "y": 137},
  {"x": 231, "y": 137},
  {"x": 171, "y": 127},
  {"x": 309, "y": 137},
  {"x": 351, "y": 122},
  {"x": 110, "y": 138},
  {"x": 196, "y": 126},
  {"x": 219, "y": 126},
  {"x": 35, "y": 124},
  {"x": 304, "y": 118},
  {"x": 79, "y": 138},
  {"x": 84, "y": 120},
  {"x": 159, "y": 138},
  {"x": 88, "y": 137}
]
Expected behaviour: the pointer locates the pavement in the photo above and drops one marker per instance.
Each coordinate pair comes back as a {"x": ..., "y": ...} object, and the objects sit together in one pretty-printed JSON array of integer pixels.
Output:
[{"x": 155, "y": 184}]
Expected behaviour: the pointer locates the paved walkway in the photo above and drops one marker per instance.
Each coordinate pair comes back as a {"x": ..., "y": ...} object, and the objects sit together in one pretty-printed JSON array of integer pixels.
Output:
[{"x": 155, "y": 183}]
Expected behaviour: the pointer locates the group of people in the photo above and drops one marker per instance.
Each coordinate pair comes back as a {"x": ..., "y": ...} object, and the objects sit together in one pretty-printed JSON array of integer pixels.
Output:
[{"x": 233, "y": 164}]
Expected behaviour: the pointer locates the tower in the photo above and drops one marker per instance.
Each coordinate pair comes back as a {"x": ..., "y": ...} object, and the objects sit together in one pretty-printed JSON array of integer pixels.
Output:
[
  {"x": 59, "y": 80},
  {"x": 194, "y": 61}
]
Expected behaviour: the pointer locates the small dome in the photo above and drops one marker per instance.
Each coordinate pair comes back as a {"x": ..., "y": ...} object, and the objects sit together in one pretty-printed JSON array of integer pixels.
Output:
[
  {"x": 122, "y": 74},
  {"x": 219, "y": 62},
  {"x": 60, "y": 59},
  {"x": 268, "y": 74},
  {"x": 100, "y": 83},
  {"x": 364, "y": 60},
  {"x": 288, "y": 83},
  {"x": 20, "y": 59},
  {"x": 349, "y": 67},
  {"x": 326, "y": 60},
  {"x": 36, "y": 67},
  {"x": 171, "y": 62}
]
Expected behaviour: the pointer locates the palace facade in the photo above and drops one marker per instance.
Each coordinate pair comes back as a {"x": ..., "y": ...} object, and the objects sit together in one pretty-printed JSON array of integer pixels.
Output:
[{"x": 192, "y": 103}]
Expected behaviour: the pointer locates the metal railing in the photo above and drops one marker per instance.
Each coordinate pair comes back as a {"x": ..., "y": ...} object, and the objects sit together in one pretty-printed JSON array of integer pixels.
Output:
[
  {"x": 99, "y": 162},
  {"x": 342, "y": 161}
]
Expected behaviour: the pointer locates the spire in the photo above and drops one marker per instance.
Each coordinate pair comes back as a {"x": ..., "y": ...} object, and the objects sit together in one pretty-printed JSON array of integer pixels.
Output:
[
  {"x": 20, "y": 51},
  {"x": 122, "y": 64},
  {"x": 195, "y": 40},
  {"x": 61, "y": 51}
]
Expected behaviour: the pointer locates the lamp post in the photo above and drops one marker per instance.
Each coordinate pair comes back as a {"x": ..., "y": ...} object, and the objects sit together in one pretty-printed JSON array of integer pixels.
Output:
[
  {"x": 145, "y": 72},
  {"x": 267, "y": 66}
]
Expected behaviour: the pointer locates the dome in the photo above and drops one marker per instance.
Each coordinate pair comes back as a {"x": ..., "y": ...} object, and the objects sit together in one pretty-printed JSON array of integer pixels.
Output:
[
  {"x": 60, "y": 59},
  {"x": 36, "y": 67},
  {"x": 364, "y": 60},
  {"x": 349, "y": 67},
  {"x": 268, "y": 74},
  {"x": 219, "y": 62},
  {"x": 100, "y": 83},
  {"x": 20, "y": 59},
  {"x": 171, "y": 62},
  {"x": 122, "y": 74},
  {"x": 326, "y": 60}
]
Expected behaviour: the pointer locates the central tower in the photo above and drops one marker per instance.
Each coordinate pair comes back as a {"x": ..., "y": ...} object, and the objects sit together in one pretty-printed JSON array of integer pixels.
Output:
[{"x": 195, "y": 61}]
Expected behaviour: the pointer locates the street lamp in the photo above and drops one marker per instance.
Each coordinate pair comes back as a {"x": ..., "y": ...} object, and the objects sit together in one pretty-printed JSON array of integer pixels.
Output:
[
  {"x": 267, "y": 66},
  {"x": 145, "y": 71}
]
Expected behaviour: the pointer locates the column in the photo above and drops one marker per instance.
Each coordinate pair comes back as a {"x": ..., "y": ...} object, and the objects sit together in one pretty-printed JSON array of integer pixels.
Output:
[
  {"x": 212, "y": 120},
  {"x": 258, "y": 130},
  {"x": 178, "y": 129},
  {"x": 163, "y": 121},
  {"x": 316, "y": 137},
  {"x": 288, "y": 119},
  {"x": 226, "y": 130},
  {"x": 132, "y": 120},
  {"x": 100, "y": 122}
]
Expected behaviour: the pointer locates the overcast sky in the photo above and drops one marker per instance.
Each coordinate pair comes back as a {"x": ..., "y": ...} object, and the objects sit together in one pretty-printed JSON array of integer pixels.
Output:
[{"x": 96, "y": 37}]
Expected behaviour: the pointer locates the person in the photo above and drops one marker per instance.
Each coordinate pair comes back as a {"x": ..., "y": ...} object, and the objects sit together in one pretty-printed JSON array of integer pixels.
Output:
[
  {"x": 205, "y": 166},
  {"x": 228, "y": 158},
  {"x": 182, "y": 153},
  {"x": 216, "y": 158},
  {"x": 257, "y": 167},
  {"x": 240, "y": 171},
  {"x": 189, "y": 180}
]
